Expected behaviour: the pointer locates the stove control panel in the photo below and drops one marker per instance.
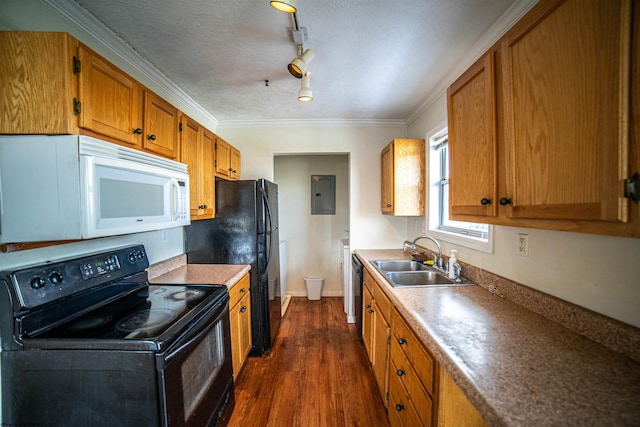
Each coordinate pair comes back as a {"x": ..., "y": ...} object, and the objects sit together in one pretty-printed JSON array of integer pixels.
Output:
[
  {"x": 95, "y": 268},
  {"x": 42, "y": 284}
]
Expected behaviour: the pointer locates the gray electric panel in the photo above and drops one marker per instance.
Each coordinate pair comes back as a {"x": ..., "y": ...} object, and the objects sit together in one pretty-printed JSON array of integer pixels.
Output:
[{"x": 323, "y": 194}]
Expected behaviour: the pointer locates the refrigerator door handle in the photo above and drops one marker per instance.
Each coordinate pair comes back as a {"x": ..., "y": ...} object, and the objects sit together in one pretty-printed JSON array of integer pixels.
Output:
[{"x": 265, "y": 199}]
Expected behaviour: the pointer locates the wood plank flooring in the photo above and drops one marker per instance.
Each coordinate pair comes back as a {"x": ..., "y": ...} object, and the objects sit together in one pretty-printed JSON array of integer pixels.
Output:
[{"x": 317, "y": 374}]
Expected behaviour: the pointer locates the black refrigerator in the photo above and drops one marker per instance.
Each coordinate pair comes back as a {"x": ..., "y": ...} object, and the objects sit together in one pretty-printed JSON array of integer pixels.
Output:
[{"x": 245, "y": 231}]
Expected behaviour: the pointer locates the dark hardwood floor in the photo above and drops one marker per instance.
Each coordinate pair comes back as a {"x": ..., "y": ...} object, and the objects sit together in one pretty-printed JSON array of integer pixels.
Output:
[{"x": 317, "y": 374}]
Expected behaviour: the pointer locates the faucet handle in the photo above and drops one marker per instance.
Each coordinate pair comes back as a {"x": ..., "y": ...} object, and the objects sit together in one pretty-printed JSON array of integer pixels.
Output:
[{"x": 457, "y": 271}]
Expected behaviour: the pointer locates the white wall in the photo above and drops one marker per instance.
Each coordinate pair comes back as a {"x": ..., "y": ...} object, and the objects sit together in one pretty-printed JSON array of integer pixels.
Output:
[
  {"x": 314, "y": 241},
  {"x": 601, "y": 273}
]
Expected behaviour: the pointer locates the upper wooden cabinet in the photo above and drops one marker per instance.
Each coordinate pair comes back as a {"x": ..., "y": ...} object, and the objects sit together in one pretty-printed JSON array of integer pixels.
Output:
[
  {"x": 160, "y": 131},
  {"x": 52, "y": 84},
  {"x": 109, "y": 101},
  {"x": 227, "y": 160},
  {"x": 539, "y": 129},
  {"x": 473, "y": 140},
  {"x": 37, "y": 83},
  {"x": 402, "y": 169},
  {"x": 197, "y": 152}
]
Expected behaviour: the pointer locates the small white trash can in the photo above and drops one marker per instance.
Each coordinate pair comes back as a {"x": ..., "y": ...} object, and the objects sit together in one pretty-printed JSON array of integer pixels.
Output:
[{"x": 314, "y": 286}]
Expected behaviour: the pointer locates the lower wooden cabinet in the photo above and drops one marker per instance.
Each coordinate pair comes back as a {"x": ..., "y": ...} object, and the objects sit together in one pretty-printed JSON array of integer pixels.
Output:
[
  {"x": 454, "y": 409},
  {"x": 367, "y": 321},
  {"x": 240, "y": 320},
  {"x": 411, "y": 379},
  {"x": 416, "y": 390}
]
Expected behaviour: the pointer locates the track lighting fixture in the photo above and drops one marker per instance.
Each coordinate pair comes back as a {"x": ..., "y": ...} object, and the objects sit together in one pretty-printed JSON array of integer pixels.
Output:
[
  {"x": 289, "y": 6},
  {"x": 298, "y": 66},
  {"x": 305, "y": 94}
]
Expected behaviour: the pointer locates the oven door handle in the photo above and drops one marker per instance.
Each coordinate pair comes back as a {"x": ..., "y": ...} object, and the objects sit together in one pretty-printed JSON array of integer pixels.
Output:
[{"x": 197, "y": 337}]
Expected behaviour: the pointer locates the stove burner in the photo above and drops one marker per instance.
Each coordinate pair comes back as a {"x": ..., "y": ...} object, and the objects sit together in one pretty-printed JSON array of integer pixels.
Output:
[
  {"x": 146, "y": 320},
  {"x": 188, "y": 295},
  {"x": 90, "y": 323}
]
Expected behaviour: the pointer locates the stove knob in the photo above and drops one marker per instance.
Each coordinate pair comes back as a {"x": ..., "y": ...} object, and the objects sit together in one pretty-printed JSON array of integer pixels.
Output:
[
  {"x": 132, "y": 257},
  {"x": 56, "y": 277},
  {"x": 140, "y": 255},
  {"x": 37, "y": 282}
]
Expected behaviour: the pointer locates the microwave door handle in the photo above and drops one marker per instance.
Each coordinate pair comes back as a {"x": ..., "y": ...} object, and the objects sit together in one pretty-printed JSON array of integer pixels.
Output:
[{"x": 175, "y": 199}]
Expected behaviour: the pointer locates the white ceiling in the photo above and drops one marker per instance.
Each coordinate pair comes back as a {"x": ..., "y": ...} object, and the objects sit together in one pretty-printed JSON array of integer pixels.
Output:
[{"x": 374, "y": 59}]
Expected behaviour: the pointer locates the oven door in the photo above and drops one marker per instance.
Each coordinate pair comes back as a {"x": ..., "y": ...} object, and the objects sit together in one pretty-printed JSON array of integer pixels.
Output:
[{"x": 196, "y": 374}]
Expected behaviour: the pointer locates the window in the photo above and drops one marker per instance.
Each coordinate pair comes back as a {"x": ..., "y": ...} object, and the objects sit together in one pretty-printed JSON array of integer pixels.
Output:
[{"x": 470, "y": 234}]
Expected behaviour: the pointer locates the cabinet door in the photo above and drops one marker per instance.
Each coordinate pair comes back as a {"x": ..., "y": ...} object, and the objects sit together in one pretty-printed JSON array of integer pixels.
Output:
[
  {"x": 245, "y": 326},
  {"x": 208, "y": 172},
  {"x": 191, "y": 146},
  {"x": 110, "y": 99},
  {"x": 386, "y": 184},
  {"x": 234, "y": 162},
  {"x": 367, "y": 322},
  {"x": 37, "y": 84},
  {"x": 236, "y": 339},
  {"x": 380, "y": 363},
  {"x": 473, "y": 141},
  {"x": 160, "y": 126},
  {"x": 223, "y": 158},
  {"x": 454, "y": 409},
  {"x": 566, "y": 86}
]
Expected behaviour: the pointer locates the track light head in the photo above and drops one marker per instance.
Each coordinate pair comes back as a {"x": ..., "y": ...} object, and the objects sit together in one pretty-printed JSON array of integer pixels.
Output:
[
  {"x": 288, "y": 6},
  {"x": 298, "y": 66},
  {"x": 305, "y": 94}
]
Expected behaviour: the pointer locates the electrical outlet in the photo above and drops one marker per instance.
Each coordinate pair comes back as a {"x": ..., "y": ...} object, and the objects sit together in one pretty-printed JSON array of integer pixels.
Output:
[
  {"x": 523, "y": 244},
  {"x": 164, "y": 237}
]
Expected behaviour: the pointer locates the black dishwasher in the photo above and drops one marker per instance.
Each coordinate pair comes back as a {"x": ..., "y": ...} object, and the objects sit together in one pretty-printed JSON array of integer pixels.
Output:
[{"x": 356, "y": 283}]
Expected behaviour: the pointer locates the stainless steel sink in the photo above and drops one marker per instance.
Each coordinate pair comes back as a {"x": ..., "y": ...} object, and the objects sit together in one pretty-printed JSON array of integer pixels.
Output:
[
  {"x": 406, "y": 273},
  {"x": 418, "y": 278},
  {"x": 399, "y": 265}
]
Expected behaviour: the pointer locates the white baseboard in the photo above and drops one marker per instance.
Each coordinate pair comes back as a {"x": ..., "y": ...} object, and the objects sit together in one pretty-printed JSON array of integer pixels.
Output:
[{"x": 324, "y": 293}]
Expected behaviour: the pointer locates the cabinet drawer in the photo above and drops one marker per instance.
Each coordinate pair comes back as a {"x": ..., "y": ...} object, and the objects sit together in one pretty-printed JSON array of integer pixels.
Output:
[
  {"x": 402, "y": 413},
  {"x": 401, "y": 370},
  {"x": 238, "y": 290},
  {"x": 409, "y": 344}
]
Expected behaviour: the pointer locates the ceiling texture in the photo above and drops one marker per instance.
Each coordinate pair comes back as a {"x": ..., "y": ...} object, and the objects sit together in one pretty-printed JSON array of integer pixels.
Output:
[{"x": 376, "y": 60}]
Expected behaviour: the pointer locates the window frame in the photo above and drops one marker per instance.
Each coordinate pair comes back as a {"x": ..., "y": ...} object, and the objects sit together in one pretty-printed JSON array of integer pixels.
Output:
[{"x": 435, "y": 198}]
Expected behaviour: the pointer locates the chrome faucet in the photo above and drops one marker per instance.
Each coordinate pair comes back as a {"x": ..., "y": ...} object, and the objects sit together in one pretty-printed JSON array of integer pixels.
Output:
[{"x": 413, "y": 246}]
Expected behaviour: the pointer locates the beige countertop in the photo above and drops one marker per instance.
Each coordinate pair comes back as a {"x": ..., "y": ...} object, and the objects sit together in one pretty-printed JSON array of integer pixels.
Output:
[
  {"x": 211, "y": 274},
  {"x": 517, "y": 367}
]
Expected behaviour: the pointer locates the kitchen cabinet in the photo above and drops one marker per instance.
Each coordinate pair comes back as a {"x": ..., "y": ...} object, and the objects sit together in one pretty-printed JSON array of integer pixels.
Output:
[
  {"x": 367, "y": 314},
  {"x": 109, "y": 101},
  {"x": 454, "y": 409},
  {"x": 376, "y": 331},
  {"x": 161, "y": 122},
  {"x": 197, "y": 151},
  {"x": 85, "y": 95},
  {"x": 227, "y": 160},
  {"x": 240, "y": 323},
  {"x": 539, "y": 126},
  {"x": 473, "y": 141},
  {"x": 381, "y": 334},
  {"x": 412, "y": 386},
  {"x": 402, "y": 167},
  {"x": 33, "y": 99}
]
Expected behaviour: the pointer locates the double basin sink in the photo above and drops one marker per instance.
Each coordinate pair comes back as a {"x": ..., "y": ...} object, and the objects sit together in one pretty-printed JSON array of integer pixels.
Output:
[{"x": 407, "y": 273}]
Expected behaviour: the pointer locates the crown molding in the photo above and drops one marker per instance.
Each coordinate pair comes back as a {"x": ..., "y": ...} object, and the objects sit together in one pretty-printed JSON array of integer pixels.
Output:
[
  {"x": 230, "y": 124},
  {"x": 123, "y": 53},
  {"x": 488, "y": 39}
]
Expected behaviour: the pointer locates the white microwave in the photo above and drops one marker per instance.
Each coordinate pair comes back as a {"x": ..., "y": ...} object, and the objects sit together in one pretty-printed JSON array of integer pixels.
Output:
[{"x": 68, "y": 187}]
